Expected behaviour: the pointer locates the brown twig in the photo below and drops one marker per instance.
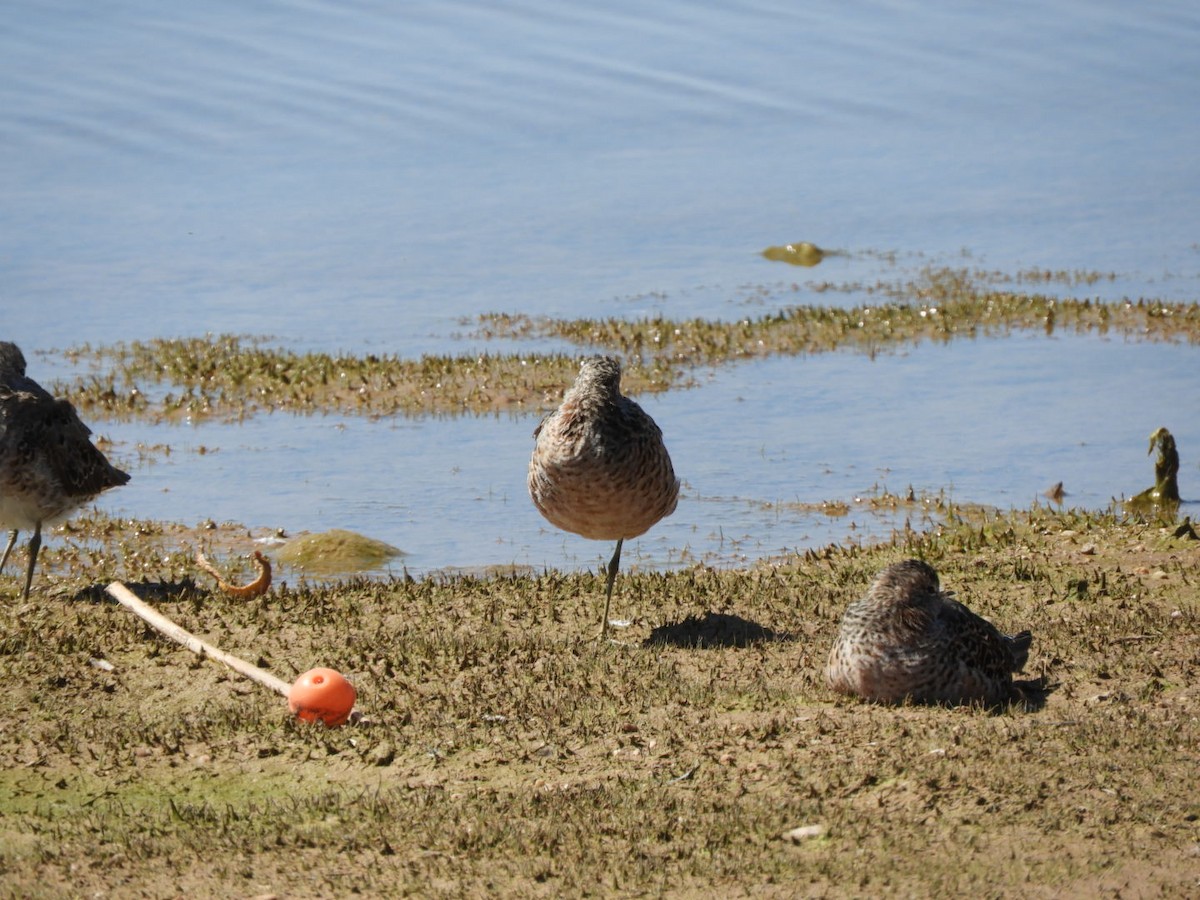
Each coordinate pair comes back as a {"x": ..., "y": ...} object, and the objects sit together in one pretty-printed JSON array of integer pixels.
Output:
[{"x": 255, "y": 588}]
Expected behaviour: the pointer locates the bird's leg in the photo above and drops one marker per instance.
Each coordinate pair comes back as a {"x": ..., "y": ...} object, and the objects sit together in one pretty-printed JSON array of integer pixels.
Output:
[
  {"x": 12, "y": 539},
  {"x": 35, "y": 544},
  {"x": 613, "y": 565}
]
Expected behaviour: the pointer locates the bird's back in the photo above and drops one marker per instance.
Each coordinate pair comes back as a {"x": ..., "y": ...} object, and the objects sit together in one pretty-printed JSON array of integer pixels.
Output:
[
  {"x": 971, "y": 659},
  {"x": 48, "y": 463}
]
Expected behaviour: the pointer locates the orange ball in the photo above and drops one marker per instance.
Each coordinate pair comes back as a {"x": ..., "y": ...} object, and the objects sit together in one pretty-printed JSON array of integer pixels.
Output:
[{"x": 322, "y": 695}]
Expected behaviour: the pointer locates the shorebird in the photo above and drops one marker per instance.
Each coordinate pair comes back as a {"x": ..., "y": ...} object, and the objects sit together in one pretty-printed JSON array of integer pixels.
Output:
[
  {"x": 909, "y": 640},
  {"x": 49, "y": 466},
  {"x": 599, "y": 467}
]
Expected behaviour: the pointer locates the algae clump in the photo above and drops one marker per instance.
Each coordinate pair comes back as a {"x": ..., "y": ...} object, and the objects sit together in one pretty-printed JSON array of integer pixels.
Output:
[
  {"x": 801, "y": 253},
  {"x": 336, "y": 550},
  {"x": 1164, "y": 495}
]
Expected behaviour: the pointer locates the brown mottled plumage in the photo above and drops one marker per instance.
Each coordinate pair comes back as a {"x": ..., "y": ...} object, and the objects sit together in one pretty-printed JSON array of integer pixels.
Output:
[
  {"x": 599, "y": 467},
  {"x": 48, "y": 464},
  {"x": 909, "y": 640}
]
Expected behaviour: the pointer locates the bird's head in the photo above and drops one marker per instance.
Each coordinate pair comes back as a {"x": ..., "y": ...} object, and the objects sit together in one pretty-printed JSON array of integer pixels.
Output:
[
  {"x": 602, "y": 372},
  {"x": 12, "y": 361}
]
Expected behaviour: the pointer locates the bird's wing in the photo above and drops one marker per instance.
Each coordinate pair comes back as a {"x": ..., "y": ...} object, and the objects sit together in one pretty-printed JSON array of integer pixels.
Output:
[
  {"x": 974, "y": 639},
  {"x": 50, "y": 429}
]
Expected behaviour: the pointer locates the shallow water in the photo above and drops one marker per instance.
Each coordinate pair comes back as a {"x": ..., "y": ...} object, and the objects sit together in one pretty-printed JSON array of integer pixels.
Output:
[
  {"x": 995, "y": 421},
  {"x": 364, "y": 176}
]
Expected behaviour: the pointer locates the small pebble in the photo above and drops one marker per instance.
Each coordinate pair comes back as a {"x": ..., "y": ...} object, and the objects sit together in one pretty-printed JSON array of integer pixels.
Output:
[{"x": 803, "y": 833}]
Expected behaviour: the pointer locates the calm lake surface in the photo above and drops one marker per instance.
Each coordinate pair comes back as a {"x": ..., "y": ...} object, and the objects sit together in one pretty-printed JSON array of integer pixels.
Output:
[{"x": 364, "y": 177}]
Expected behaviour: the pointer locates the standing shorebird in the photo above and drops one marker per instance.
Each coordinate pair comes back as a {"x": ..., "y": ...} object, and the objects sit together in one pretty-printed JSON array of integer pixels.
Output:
[
  {"x": 49, "y": 466},
  {"x": 909, "y": 640},
  {"x": 599, "y": 467}
]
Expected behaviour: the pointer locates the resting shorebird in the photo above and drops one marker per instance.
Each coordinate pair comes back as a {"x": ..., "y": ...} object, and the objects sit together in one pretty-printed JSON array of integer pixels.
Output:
[
  {"x": 599, "y": 467},
  {"x": 909, "y": 640},
  {"x": 48, "y": 464}
]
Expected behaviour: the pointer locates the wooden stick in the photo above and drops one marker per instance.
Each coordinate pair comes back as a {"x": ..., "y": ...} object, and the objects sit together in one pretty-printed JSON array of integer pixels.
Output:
[{"x": 125, "y": 597}]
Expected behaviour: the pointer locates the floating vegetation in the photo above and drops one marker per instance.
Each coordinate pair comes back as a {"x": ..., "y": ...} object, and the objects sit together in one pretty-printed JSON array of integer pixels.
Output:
[
  {"x": 1071, "y": 277},
  {"x": 945, "y": 309},
  {"x": 1166, "y": 467},
  {"x": 1164, "y": 496},
  {"x": 801, "y": 253},
  {"x": 877, "y": 499},
  {"x": 1055, "y": 492},
  {"x": 336, "y": 551},
  {"x": 232, "y": 377}
]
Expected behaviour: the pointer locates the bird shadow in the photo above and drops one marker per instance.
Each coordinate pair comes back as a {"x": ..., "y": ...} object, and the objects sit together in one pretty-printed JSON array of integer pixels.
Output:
[
  {"x": 714, "y": 630},
  {"x": 1027, "y": 695},
  {"x": 1031, "y": 694},
  {"x": 146, "y": 591}
]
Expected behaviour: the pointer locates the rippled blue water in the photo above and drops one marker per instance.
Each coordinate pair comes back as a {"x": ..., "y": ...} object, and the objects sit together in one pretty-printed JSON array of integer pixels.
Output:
[{"x": 351, "y": 176}]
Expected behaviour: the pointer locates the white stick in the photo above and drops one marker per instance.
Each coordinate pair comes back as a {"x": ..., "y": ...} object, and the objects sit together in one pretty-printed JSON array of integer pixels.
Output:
[{"x": 125, "y": 597}]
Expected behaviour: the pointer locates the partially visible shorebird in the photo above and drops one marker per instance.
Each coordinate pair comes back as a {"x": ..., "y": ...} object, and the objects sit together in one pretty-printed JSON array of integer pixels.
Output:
[
  {"x": 909, "y": 640},
  {"x": 49, "y": 466},
  {"x": 599, "y": 467}
]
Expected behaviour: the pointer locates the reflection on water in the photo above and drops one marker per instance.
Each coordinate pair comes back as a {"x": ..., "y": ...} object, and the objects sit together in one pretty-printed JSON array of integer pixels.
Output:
[{"x": 759, "y": 447}]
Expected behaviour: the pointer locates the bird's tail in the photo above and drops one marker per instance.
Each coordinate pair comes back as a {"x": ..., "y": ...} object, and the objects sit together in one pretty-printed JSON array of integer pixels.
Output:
[{"x": 116, "y": 477}]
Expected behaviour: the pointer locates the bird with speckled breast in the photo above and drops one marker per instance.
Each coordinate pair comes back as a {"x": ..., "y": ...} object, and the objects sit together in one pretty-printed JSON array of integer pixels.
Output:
[
  {"x": 599, "y": 467},
  {"x": 49, "y": 466},
  {"x": 908, "y": 640}
]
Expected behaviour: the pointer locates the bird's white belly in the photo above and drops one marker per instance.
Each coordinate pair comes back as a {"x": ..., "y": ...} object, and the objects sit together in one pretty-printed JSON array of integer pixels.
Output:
[{"x": 18, "y": 512}]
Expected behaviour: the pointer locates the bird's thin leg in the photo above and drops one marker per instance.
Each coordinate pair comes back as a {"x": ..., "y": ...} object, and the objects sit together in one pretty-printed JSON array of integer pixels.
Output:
[
  {"x": 613, "y": 565},
  {"x": 12, "y": 539},
  {"x": 35, "y": 544}
]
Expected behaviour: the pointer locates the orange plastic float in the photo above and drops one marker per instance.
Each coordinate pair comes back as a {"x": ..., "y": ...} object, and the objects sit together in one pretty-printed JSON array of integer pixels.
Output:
[{"x": 322, "y": 695}]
